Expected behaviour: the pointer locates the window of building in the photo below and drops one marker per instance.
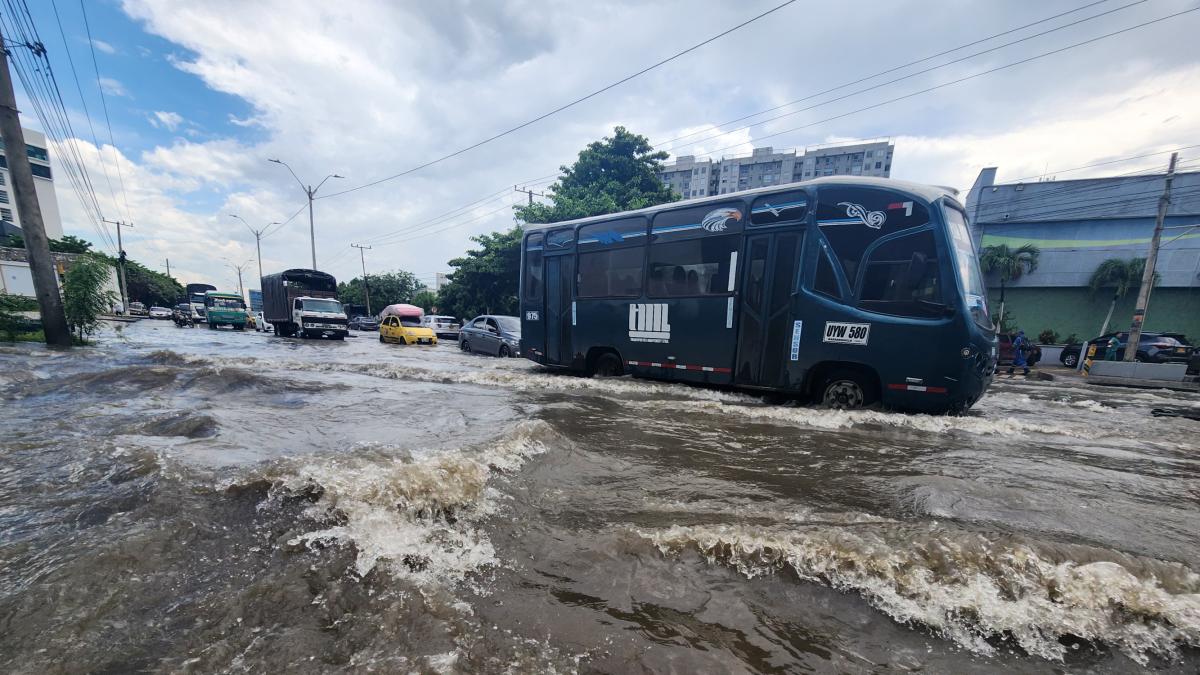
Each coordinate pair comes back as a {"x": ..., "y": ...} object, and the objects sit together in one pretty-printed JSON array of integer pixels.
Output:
[
  {"x": 39, "y": 170},
  {"x": 6, "y": 215},
  {"x": 2, "y": 179},
  {"x": 37, "y": 153},
  {"x": 3, "y": 196},
  {"x": 611, "y": 273},
  {"x": 901, "y": 277},
  {"x": 878, "y": 165},
  {"x": 692, "y": 267}
]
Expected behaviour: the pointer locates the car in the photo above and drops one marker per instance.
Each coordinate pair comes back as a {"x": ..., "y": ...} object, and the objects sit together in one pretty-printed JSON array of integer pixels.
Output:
[
  {"x": 1006, "y": 353},
  {"x": 1152, "y": 348},
  {"x": 406, "y": 330},
  {"x": 364, "y": 323},
  {"x": 491, "y": 334},
  {"x": 137, "y": 309},
  {"x": 445, "y": 326},
  {"x": 157, "y": 312}
]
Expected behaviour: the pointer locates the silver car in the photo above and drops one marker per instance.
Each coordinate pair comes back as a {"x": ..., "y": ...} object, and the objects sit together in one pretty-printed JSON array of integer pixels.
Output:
[
  {"x": 446, "y": 327},
  {"x": 491, "y": 334}
]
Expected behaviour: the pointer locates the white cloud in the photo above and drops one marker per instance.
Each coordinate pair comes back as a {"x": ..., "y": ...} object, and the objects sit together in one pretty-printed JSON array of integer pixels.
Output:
[
  {"x": 113, "y": 87},
  {"x": 163, "y": 119},
  {"x": 104, "y": 46}
]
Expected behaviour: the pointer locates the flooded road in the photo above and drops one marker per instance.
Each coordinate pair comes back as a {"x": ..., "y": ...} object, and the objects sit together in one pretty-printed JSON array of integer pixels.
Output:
[{"x": 196, "y": 501}]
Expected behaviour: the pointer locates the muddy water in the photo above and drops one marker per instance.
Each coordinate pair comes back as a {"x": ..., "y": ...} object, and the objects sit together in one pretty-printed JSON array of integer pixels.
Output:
[{"x": 197, "y": 501}]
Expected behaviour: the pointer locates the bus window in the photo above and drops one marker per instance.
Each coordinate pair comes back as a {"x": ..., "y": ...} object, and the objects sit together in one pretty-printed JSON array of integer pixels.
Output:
[
  {"x": 533, "y": 267},
  {"x": 614, "y": 273},
  {"x": 693, "y": 267},
  {"x": 901, "y": 277},
  {"x": 560, "y": 239},
  {"x": 627, "y": 231},
  {"x": 785, "y": 207},
  {"x": 853, "y": 218},
  {"x": 826, "y": 282}
]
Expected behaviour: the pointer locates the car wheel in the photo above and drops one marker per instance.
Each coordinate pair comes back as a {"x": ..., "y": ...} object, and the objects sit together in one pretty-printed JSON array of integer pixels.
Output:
[
  {"x": 504, "y": 352},
  {"x": 401, "y": 341},
  {"x": 465, "y": 346},
  {"x": 846, "y": 391},
  {"x": 1071, "y": 360},
  {"x": 381, "y": 338},
  {"x": 608, "y": 365}
]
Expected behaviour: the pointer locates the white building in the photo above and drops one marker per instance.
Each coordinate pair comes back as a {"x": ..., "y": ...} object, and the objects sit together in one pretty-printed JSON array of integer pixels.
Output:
[{"x": 43, "y": 180}]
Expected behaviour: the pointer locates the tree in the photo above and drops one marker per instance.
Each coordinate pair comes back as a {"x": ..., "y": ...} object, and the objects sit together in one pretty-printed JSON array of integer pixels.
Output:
[
  {"x": 1010, "y": 264},
  {"x": 148, "y": 286},
  {"x": 616, "y": 173},
  {"x": 1122, "y": 275},
  {"x": 68, "y": 244},
  {"x": 485, "y": 279},
  {"x": 426, "y": 300},
  {"x": 84, "y": 295},
  {"x": 386, "y": 289}
]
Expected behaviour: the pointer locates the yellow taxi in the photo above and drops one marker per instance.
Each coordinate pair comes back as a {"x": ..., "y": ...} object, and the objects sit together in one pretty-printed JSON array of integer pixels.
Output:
[{"x": 406, "y": 330}]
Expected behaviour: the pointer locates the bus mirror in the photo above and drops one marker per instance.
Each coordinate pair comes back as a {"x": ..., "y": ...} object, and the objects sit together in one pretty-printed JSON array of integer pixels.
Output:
[{"x": 918, "y": 268}]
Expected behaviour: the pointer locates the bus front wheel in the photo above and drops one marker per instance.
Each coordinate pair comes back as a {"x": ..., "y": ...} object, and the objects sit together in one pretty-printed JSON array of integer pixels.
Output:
[
  {"x": 608, "y": 364},
  {"x": 847, "y": 390}
]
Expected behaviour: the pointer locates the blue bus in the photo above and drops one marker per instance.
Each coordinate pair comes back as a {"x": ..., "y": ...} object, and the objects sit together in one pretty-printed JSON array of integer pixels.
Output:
[{"x": 850, "y": 291}]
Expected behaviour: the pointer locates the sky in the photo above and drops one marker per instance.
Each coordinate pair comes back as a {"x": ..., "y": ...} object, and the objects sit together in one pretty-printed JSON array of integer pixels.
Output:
[{"x": 200, "y": 95}]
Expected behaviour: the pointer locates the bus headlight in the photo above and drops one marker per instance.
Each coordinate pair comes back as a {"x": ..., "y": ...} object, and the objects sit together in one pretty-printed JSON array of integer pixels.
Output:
[{"x": 966, "y": 352}]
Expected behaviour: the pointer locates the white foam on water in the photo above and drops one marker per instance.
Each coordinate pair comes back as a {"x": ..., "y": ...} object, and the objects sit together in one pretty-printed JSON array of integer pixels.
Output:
[
  {"x": 968, "y": 587},
  {"x": 418, "y": 515}
]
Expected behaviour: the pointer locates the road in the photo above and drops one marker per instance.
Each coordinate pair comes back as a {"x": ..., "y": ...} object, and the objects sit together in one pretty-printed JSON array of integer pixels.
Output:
[{"x": 191, "y": 500}]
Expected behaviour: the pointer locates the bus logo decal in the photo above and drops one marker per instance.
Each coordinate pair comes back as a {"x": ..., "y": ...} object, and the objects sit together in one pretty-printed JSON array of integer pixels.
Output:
[
  {"x": 837, "y": 332},
  {"x": 648, "y": 322},
  {"x": 716, "y": 219},
  {"x": 856, "y": 214}
]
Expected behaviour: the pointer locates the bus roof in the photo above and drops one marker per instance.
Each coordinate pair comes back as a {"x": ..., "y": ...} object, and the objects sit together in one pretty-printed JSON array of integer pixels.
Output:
[
  {"x": 224, "y": 294},
  {"x": 927, "y": 192}
]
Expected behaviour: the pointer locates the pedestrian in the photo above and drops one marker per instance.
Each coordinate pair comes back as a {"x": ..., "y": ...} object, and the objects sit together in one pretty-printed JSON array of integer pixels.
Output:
[
  {"x": 1110, "y": 353},
  {"x": 1020, "y": 345}
]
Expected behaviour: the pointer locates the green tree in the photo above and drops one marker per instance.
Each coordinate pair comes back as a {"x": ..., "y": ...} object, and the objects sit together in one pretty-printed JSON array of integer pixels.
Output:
[
  {"x": 1009, "y": 264},
  {"x": 616, "y": 173},
  {"x": 1122, "y": 276},
  {"x": 84, "y": 295},
  {"x": 426, "y": 300},
  {"x": 386, "y": 289},
  {"x": 485, "y": 279},
  {"x": 148, "y": 286},
  {"x": 68, "y": 244}
]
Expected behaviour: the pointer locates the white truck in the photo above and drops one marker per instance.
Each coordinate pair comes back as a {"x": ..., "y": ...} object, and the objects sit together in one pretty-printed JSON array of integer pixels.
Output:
[{"x": 304, "y": 302}]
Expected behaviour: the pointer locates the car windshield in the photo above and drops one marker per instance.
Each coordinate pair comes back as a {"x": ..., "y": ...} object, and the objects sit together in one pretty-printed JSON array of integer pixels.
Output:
[
  {"x": 410, "y": 321},
  {"x": 323, "y": 306},
  {"x": 509, "y": 324},
  {"x": 966, "y": 265}
]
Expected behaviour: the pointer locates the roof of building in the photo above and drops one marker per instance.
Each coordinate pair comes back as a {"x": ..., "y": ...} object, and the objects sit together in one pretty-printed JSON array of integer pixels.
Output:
[{"x": 1083, "y": 199}]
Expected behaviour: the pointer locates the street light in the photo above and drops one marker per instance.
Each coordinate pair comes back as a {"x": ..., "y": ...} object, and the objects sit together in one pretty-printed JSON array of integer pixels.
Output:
[
  {"x": 238, "y": 269},
  {"x": 258, "y": 235},
  {"x": 310, "y": 192}
]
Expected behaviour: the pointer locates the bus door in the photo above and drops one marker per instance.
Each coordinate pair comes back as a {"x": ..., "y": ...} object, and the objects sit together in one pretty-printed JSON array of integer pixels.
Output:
[
  {"x": 765, "y": 323},
  {"x": 559, "y": 305},
  {"x": 533, "y": 332}
]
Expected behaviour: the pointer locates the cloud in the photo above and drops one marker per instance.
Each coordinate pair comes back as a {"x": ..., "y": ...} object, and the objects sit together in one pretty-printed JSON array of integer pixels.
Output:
[
  {"x": 112, "y": 87},
  {"x": 104, "y": 46},
  {"x": 163, "y": 119}
]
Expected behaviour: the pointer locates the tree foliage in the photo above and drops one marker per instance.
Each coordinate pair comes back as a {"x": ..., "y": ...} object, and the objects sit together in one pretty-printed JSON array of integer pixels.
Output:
[
  {"x": 150, "y": 287},
  {"x": 386, "y": 289},
  {"x": 426, "y": 300},
  {"x": 84, "y": 295},
  {"x": 616, "y": 173},
  {"x": 1010, "y": 264},
  {"x": 1120, "y": 275},
  {"x": 68, "y": 244},
  {"x": 485, "y": 280}
]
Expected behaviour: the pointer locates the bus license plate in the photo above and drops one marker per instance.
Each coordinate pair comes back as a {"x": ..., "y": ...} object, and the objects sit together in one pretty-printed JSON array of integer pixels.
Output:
[{"x": 838, "y": 332}]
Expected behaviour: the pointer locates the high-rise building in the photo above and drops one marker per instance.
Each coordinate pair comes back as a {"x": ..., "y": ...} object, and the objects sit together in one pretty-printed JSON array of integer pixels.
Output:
[
  {"x": 43, "y": 181},
  {"x": 692, "y": 177}
]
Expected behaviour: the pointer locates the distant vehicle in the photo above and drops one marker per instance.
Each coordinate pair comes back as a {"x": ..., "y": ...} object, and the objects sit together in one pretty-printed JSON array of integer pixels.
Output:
[
  {"x": 182, "y": 315},
  {"x": 260, "y": 323},
  {"x": 304, "y": 302},
  {"x": 195, "y": 297},
  {"x": 1152, "y": 348},
  {"x": 225, "y": 309},
  {"x": 847, "y": 290},
  {"x": 157, "y": 312},
  {"x": 446, "y": 327},
  {"x": 406, "y": 330},
  {"x": 492, "y": 334},
  {"x": 137, "y": 309},
  {"x": 364, "y": 323}
]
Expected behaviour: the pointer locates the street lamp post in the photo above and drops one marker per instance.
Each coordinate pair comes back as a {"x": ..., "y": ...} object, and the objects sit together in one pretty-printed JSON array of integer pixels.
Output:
[
  {"x": 310, "y": 192},
  {"x": 258, "y": 235},
  {"x": 238, "y": 269}
]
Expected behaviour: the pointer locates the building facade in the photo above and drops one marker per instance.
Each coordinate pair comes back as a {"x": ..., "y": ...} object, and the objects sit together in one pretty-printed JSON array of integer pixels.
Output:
[
  {"x": 764, "y": 167},
  {"x": 43, "y": 181},
  {"x": 1077, "y": 225}
]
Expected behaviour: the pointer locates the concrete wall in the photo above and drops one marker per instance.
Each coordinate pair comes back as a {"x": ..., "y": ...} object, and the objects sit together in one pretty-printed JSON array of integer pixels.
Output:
[{"x": 1074, "y": 310}]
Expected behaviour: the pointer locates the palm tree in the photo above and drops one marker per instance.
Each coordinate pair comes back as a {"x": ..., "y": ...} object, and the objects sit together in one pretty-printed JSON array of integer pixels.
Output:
[
  {"x": 1010, "y": 264},
  {"x": 1122, "y": 275}
]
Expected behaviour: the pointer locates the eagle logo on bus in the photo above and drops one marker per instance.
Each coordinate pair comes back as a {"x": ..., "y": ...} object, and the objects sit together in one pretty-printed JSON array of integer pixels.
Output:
[
  {"x": 717, "y": 219},
  {"x": 872, "y": 219}
]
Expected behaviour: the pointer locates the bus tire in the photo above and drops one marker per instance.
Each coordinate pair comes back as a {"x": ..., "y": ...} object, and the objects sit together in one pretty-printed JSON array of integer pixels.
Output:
[
  {"x": 847, "y": 390},
  {"x": 607, "y": 364}
]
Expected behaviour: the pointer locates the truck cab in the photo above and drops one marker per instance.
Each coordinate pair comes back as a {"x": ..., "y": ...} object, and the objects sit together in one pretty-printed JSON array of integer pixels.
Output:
[{"x": 319, "y": 317}]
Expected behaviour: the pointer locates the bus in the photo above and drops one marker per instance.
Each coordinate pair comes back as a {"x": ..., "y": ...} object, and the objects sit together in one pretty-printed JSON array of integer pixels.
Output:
[
  {"x": 850, "y": 291},
  {"x": 225, "y": 309},
  {"x": 195, "y": 298}
]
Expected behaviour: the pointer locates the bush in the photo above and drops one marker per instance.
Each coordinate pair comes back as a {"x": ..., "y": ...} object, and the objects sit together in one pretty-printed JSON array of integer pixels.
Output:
[
  {"x": 1072, "y": 339},
  {"x": 1048, "y": 337}
]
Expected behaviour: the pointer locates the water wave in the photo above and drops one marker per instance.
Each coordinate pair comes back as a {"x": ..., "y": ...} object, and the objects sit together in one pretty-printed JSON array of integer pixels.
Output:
[{"x": 974, "y": 589}]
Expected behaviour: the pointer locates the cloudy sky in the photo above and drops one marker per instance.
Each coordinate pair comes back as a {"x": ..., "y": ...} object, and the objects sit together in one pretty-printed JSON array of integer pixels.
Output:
[{"x": 201, "y": 94}]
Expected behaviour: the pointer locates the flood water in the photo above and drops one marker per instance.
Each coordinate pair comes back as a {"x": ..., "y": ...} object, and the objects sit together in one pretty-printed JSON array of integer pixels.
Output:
[{"x": 196, "y": 501}]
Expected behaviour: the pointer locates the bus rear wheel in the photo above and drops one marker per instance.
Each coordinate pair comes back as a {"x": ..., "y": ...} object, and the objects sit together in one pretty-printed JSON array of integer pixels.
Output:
[
  {"x": 608, "y": 364},
  {"x": 847, "y": 390}
]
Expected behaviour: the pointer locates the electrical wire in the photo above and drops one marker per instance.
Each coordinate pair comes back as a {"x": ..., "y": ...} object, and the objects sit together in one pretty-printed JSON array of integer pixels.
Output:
[{"x": 104, "y": 103}]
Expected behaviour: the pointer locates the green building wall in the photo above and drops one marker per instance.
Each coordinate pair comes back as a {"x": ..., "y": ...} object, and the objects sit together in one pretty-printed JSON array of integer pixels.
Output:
[{"x": 1076, "y": 310}]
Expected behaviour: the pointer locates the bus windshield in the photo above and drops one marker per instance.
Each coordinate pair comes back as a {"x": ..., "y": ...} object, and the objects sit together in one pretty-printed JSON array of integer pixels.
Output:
[
  {"x": 227, "y": 303},
  {"x": 966, "y": 265}
]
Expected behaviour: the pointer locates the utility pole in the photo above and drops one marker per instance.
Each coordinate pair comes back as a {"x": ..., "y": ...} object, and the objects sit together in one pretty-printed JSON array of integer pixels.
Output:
[
  {"x": 121, "y": 262},
  {"x": 168, "y": 267},
  {"x": 238, "y": 269},
  {"x": 528, "y": 192},
  {"x": 258, "y": 235},
  {"x": 1139, "y": 313},
  {"x": 311, "y": 193},
  {"x": 362, "y": 256},
  {"x": 37, "y": 245}
]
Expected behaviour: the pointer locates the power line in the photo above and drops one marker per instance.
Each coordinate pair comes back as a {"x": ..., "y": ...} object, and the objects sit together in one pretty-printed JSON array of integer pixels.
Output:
[
  {"x": 104, "y": 102},
  {"x": 571, "y": 104},
  {"x": 1113, "y": 161}
]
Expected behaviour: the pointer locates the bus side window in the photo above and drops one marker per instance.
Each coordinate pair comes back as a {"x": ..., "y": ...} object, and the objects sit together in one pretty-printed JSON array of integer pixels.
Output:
[
  {"x": 853, "y": 218},
  {"x": 901, "y": 277},
  {"x": 533, "y": 267},
  {"x": 826, "y": 282},
  {"x": 692, "y": 266}
]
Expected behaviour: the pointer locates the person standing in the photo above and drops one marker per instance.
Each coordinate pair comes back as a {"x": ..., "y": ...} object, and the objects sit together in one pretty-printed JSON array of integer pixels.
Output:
[
  {"x": 1110, "y": 353},
  {"x": 1020, "y": 346}
]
